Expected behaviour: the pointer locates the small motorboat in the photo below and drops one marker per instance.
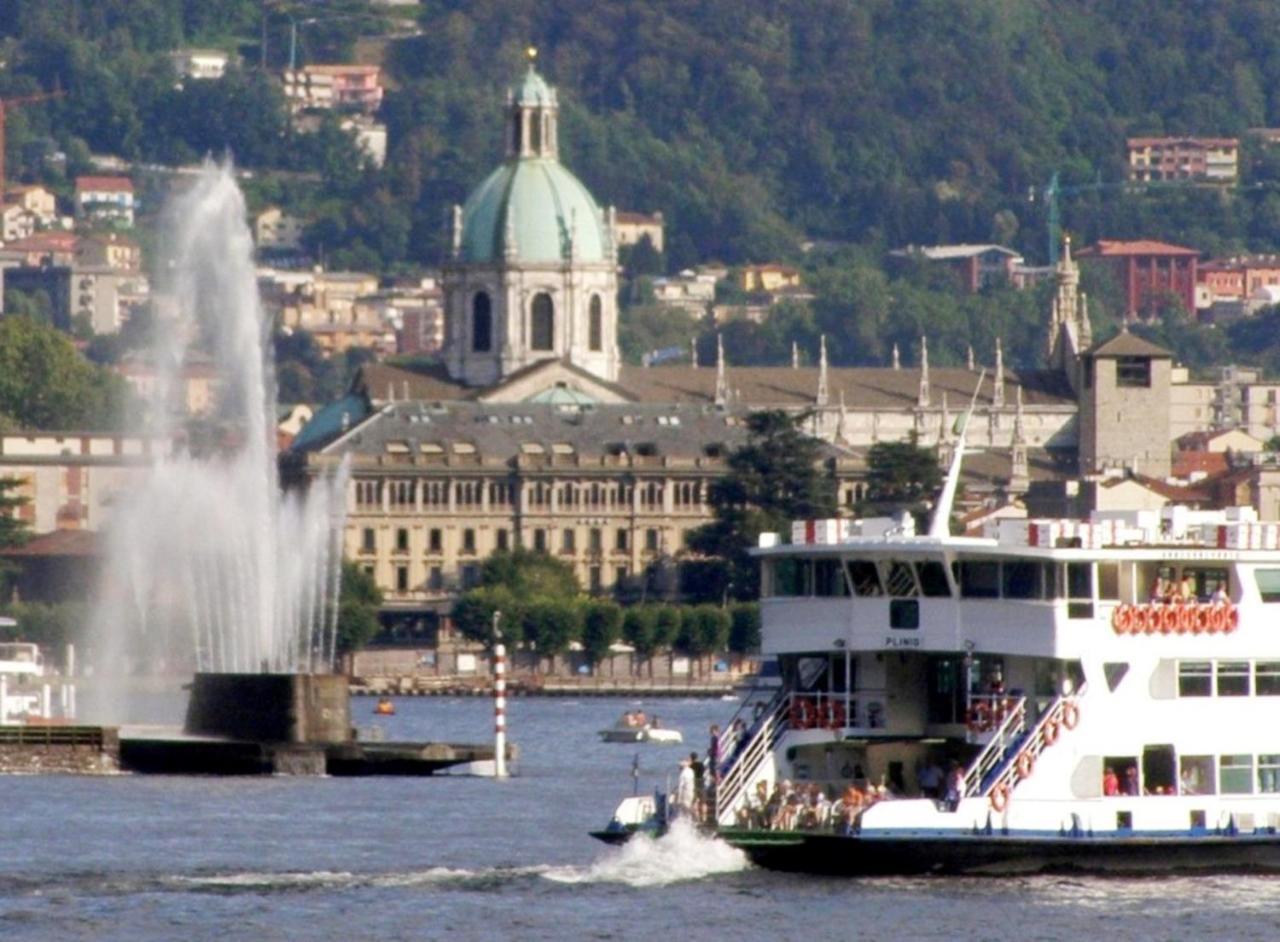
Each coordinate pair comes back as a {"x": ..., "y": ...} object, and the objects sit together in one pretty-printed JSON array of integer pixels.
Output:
[
  {"x": 634, "y": 726},
  {"x": 384, "y": 707}
]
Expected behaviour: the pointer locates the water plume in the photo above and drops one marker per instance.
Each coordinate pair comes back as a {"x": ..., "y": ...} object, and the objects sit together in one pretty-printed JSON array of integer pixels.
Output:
[{"x": 209, "y": 564}]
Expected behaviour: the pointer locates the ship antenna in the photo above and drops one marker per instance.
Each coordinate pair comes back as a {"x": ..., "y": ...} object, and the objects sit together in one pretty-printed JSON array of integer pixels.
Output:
[{"x": 940, "y": 525}]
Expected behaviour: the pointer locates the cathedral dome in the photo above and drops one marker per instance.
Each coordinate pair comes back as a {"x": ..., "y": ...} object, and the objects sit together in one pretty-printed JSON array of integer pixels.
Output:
[{"x": 540, "y": 207}]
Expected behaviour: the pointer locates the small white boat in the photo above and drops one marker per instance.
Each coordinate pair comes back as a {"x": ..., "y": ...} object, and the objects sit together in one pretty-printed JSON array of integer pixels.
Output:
[{"x": 636, "y": 727}]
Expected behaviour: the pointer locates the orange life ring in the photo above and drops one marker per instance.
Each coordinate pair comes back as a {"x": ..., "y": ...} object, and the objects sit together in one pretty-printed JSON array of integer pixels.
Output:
[
  {"x": 835, "y": 715},
  {"x": 1122, "y": 619},
  {"x": 979, "y": 718},
  {"x": 1000, "y": 798},
  {"x": 1233, "y": 618},
  {"x": 801, "y": 716},
  {"x": 1203, "y": 613},
  {"x": 1070, "y": 715},
  {"x": 1186, "y": 618},
  {"x": 1218, "y": 619},
  {"x": 1168, "y": 619},
  {"x": 1049, "y": 733},
  {"x": 1026, "y": 764}
]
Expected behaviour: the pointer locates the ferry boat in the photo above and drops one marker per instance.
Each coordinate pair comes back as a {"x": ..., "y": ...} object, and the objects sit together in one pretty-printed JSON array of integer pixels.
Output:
[{"x": 1097, "y": 695}]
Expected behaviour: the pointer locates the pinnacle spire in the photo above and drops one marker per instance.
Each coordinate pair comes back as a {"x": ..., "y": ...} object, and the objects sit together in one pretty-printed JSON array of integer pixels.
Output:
[
  {"x": 997, "y": 394},
  {"x": 722, "y": 383},
  {"x": 922, "y": 400},
  {"x": 821, "y": 399},
  {"x": 897, "y": 364}
]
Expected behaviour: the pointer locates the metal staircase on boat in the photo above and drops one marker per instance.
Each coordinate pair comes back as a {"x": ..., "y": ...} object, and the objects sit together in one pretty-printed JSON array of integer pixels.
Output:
[
  {"x": 1011, "y": 754},
  {"x": 748, "y": 751}
]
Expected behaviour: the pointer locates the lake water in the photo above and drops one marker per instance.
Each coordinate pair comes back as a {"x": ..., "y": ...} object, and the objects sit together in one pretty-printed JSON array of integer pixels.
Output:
[{"x": 157, "y": 858}]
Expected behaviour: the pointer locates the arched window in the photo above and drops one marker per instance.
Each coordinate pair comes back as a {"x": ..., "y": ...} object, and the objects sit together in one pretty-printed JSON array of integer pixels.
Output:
[
  {"x": 481, "y": 323},
  {"x": 543, "y": 322},
  {"x": 517, "y": 131},
  {"x": 595, "y": 327},
  {"x": 535, "y": 132}
]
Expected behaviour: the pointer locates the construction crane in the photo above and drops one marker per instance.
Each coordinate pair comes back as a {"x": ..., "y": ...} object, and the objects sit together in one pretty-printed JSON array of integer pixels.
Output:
[{"x": 7, "y": 103}]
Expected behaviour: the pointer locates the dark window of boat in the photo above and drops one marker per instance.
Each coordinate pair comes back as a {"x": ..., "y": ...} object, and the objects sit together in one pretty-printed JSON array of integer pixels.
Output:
[
  {"x": 864, "y": 578},
  {"x": 1197, "y": 820},
  {"x": 1268, "y": 584},
  {"x": 1019, "y": 579},
  {"x": 1266, "y": 679},
  {"x": 1158, "y": 770},
  {"x": 1195, "y": 775},
  {"x": 1233, "y": 678},
  {"x": 1051, "y": 582},
  {"x": 979, "y": 579},
  {"x": 904, "y": 613},
  {"x": 828, "y": 578},
  {"x": 1269, "y": 773},
  {"x": 1109, "y": 581},
  {"x": 791, "y": 576},
  {"x": 1195, "y": 679},
  {"x": 1114, "y": 673},
  {"x": 1124, "y": 820},
  {"x": 1134, "y": 372},
  {"x": 1235, "y": 775},
  {"x": 900, "y": 579},
  {"x": 933, "y": 579},
  {"x": 1080, "y": 590},
  {"x": 1206, "y": 581}
]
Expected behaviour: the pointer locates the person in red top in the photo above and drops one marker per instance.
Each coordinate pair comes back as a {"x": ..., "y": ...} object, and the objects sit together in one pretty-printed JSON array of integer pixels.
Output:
[{"x": 1110, "y": 782}]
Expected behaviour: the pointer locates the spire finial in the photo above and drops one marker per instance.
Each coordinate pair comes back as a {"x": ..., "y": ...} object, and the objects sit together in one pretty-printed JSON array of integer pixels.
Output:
[
  {"x": 970, "y": 358},
  {"x": 531, "y": 54},
  {"x": 923, "y": 399},
  {"x": 897, "y": 363},
  {"x": 997, "y": 395},
  {"x": 822, "y": 397},
  {"x": 722, "y": 382},
  {"x": 795, "y": 355}
]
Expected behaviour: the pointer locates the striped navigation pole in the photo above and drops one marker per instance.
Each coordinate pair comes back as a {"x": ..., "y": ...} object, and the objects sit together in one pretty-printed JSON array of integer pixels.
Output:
[{"x": 499, "y": 700}]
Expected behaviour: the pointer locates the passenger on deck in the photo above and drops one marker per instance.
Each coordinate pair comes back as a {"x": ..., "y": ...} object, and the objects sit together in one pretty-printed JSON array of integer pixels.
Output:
[
  {"x": 1110, "y": 783},
  {"x": 930, "y": 779},
  {"x": 1187, "y": 590},
  {"x": 955, "y": 787},
  {"x": 1220, "y": 596},
  {"x": 685, "y": 794},
  {"x": 753, "y": 813},
  {"x": 1130, "y": 786}
]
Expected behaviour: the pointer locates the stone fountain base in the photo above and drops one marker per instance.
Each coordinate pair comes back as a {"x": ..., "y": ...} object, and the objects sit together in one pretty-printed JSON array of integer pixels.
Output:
[{"x": 276, "y": 708}]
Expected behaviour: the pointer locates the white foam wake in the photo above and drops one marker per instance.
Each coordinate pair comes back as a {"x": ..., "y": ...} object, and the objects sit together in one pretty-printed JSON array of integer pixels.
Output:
[{"x": 679, "y": 855}]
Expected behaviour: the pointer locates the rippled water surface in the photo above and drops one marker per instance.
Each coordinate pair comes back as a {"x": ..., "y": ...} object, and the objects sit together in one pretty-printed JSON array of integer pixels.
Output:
[{"x": 155, "y": 858}]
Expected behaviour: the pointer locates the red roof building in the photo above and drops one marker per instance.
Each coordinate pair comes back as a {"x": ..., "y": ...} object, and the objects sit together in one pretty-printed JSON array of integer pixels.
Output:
[{"x": 1149, "y": 272}]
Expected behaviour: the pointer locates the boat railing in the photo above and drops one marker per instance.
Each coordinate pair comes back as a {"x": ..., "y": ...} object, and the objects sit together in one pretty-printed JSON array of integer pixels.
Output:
[
  {"x": 1018, "y": 758},
  {"x": 1005, "y": 718},
  {"x": 861, "y": 709},
  {"x": 746, "y": 747}
]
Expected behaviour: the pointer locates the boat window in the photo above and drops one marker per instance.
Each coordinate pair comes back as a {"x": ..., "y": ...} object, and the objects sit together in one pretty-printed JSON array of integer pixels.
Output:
[
  {"x": 828, "y": 578},
  {"x": 1235, "y": 775},
  {"x": 1266, "y": 679},
  {"x": 1051, "y": 581},
  {"x": 1195, "y": 678},
  {"x": 1158, "y": 771},
  {"x": 1203, "y": 583},
  {"x": 1109, "y": 581},
  {"x": 904, "y": 613},
  {"x": 1233, "y": 678},
  {"x": 1268, "y": 584},
  {"x": 933, "y": 579},
  {"x": 1079, "y": 590},
  {"x": 899, "y": 579},
  {"x": 1019, "y": 579},
  {"x": 1195, "y": 775},
  {"x": 791, "y": 576},
  {"x": 1269, "y": 773},
  {"x": 1114, "y": 673},
  {"x": 979, "y": 579},
  {"x": 864, "y": 578}
]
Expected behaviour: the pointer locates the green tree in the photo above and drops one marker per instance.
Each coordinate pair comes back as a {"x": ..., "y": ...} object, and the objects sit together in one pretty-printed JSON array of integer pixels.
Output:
[
  {"x": 773, "y": 479},
  {"x": 14, "y": 531},
  {"x": 704, "y": 631},
  {"x": 473, "y": 612},
  {"x": 640, "y": 630},
  {"x": 900, "y": 476},
  {"x": 601, "y": 629},
  {"x": 667, "y": 625},
  {"x": 358, "y": 604},
  {"x": 551, "y": 625},
  {"x": 744, "y": 630},
  {"x": 529, "y": 574},
  {"x": 45, "y": 383}
]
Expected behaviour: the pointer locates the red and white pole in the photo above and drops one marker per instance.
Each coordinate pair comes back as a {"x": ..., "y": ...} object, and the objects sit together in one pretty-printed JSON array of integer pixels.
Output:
[{"x": 499, "y": 700}]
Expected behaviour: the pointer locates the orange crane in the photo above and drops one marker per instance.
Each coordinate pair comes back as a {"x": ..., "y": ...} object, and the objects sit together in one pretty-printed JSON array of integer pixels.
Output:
[{"x": 6, "y": 103}]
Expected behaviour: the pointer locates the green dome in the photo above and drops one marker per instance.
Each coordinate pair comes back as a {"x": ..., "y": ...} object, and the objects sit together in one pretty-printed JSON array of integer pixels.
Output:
[{"x": 543, "y": 202}]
